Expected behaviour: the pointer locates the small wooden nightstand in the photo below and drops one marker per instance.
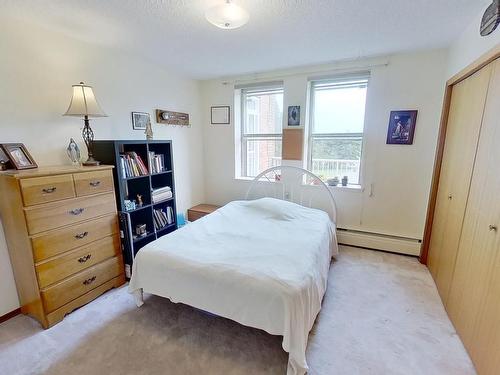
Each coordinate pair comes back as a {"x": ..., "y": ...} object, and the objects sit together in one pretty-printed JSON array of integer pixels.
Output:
[{"x": 196, "y": 212}]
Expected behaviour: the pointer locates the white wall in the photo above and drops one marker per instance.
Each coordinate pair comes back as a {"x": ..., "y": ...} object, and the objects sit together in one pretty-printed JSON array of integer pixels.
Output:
[
  {"x": 469, "y": 46},
  {"x": 400, "y": 175},
  {"x": 38, "y": 68}
]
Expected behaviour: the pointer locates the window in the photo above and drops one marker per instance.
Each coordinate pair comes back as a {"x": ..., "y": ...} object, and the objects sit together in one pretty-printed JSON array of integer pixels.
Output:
[
  {"x": 336, "y": 127},
  {"x": 261, "y": 129}
]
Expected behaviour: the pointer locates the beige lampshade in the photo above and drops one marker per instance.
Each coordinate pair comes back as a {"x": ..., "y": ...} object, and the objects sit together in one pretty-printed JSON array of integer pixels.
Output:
[{"x": 83, "y": 103}]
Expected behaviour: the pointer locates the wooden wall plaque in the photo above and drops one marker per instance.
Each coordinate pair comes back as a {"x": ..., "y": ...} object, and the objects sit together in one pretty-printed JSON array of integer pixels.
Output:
[{"x": 172, "y": 118}]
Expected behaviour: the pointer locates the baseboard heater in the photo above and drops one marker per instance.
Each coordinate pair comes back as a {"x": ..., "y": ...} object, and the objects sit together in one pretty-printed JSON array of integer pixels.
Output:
[{"x": 376, "y": 241}]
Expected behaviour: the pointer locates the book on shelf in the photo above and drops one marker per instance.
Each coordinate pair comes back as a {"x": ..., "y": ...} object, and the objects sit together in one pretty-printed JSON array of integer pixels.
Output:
[
  {"x": 132, "y": 165},
  {"x": 161, "y": 194},
  {"x": 163, "y": 217},
  {"x": 156, "y": 162}
]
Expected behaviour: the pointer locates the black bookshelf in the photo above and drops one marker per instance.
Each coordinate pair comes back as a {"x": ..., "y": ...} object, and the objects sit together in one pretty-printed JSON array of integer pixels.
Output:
[{"x": 128, "y": 184}]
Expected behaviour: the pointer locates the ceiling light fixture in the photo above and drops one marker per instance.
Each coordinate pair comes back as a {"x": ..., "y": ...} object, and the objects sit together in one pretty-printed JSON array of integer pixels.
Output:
[{"x": 227, "y": 15}]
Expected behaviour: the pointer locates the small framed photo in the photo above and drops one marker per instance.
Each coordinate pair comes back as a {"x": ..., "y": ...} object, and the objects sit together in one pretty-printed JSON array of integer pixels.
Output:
[
  {"x": 140, "y": 120},
  {"x": 220, "y": 115},
  {"x": 294, "y": 115},
  {"x": 19, "y": 156},
  {"x": 401, "y": 127},
  {"x": 4, "y": 160}
]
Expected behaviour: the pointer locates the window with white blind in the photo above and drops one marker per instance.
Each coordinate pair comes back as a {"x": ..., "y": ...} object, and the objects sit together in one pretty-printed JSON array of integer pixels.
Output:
[
  {"x": 337, "y": 115},
  {"x": 261, "y": 128}
]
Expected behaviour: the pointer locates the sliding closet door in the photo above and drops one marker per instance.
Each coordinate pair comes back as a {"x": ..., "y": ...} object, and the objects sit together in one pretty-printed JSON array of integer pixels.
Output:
[
  {"x": 478, "y": 250},
  {"x": 486, "y": 349},
  {"x": 464, "y": 124}
]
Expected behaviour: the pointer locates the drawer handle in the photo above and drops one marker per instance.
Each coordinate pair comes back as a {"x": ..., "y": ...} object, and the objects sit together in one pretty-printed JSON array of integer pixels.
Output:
[
  {"x": 493, "y": 228},
  {"x": 79, "y": 236},
  {"x": 94, "y": 183},
  {"x": 85, "y": 258},
  {"x": 89, "y": 281},
  {"x": 49, "y": 190},
  {"x": 77, "y": 211}
]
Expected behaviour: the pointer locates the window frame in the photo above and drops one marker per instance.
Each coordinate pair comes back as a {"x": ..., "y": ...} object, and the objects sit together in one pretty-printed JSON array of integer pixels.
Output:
[
  {"x": 245, "y": 137},
  {"x": 311, "y": 136}
]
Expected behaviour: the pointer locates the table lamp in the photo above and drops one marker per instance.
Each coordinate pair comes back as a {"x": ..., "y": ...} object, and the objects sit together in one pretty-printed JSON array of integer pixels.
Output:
[{"x": 83, "y": 104}]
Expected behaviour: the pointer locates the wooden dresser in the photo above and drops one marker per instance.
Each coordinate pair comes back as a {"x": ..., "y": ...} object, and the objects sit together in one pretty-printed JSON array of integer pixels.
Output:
[{"x": 61, "y": 228}]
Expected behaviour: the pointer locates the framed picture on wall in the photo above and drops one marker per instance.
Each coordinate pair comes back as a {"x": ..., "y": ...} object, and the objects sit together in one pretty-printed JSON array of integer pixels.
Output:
[
  {"x": 19, "y": 156},
  {"x": 294, "y": 115},
  {"x": 140, "y": 120},
  {"x": 401, "y": 127},
  {"x": 220, "y": 115}
]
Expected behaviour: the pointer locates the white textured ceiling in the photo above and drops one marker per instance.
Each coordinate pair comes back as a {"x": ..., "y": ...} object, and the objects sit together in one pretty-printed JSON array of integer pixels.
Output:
[{"x": 280, "y": 33}]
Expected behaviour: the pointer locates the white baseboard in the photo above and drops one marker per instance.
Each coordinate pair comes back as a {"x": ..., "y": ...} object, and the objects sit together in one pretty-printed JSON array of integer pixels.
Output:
[{"x": 402, "y": 245}]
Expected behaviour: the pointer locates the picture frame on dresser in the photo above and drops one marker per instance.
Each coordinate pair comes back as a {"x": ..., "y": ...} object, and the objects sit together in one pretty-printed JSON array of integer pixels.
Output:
[
  {"x": 4, "y": 160},
  {"x": 19, "y": 156}
]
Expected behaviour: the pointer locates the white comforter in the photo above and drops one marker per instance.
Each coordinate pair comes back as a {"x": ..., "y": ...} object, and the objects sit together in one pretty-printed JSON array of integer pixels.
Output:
[{"x": 262, "y": 263}]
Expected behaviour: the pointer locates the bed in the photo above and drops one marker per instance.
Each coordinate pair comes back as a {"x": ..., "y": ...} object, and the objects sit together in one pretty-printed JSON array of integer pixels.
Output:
[{"x": 261, "y": 262}]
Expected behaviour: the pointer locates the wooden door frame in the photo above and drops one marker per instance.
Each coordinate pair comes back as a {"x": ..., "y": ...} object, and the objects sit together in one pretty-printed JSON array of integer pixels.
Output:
[{"x": 477, "y": 65}]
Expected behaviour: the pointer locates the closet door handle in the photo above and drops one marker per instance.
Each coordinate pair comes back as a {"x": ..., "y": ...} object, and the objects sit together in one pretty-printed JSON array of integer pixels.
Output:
[{"x": 493, "y": 228}]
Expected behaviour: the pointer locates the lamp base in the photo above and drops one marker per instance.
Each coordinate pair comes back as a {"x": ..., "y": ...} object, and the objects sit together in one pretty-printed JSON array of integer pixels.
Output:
[{"x": 91, "y": 162}]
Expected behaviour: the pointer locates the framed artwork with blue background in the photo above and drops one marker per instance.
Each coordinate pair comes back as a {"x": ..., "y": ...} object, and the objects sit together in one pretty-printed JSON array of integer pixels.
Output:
[{"x": 401, "y": 127}]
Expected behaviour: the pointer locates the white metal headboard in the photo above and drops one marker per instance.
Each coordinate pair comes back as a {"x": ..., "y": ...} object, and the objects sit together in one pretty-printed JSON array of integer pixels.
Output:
[{"x": 295, "y": 185}]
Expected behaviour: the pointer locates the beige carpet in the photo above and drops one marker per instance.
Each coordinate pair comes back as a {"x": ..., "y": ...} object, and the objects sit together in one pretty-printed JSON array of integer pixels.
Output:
[{"x": 381, "y": 315}]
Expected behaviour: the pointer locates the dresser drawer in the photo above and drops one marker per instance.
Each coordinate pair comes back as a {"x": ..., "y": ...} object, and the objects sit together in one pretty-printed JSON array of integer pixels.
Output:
[
  {"x": 71, "y": 211},
  {"x": 73, "y": 287},
  {"x": 77, "y": 260},
  {"x": 58, "y": 241},
  {"x": 38, "y": 190},
  {"x": 88, "y": 183}
]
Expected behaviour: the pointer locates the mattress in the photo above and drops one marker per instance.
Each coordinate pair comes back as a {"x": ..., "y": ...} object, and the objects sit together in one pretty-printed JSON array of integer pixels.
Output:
[{"x": 261, "y": 263}]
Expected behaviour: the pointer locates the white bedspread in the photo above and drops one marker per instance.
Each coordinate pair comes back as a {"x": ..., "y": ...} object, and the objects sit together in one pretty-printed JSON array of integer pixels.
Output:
[{"x": 262, "y": 263}]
